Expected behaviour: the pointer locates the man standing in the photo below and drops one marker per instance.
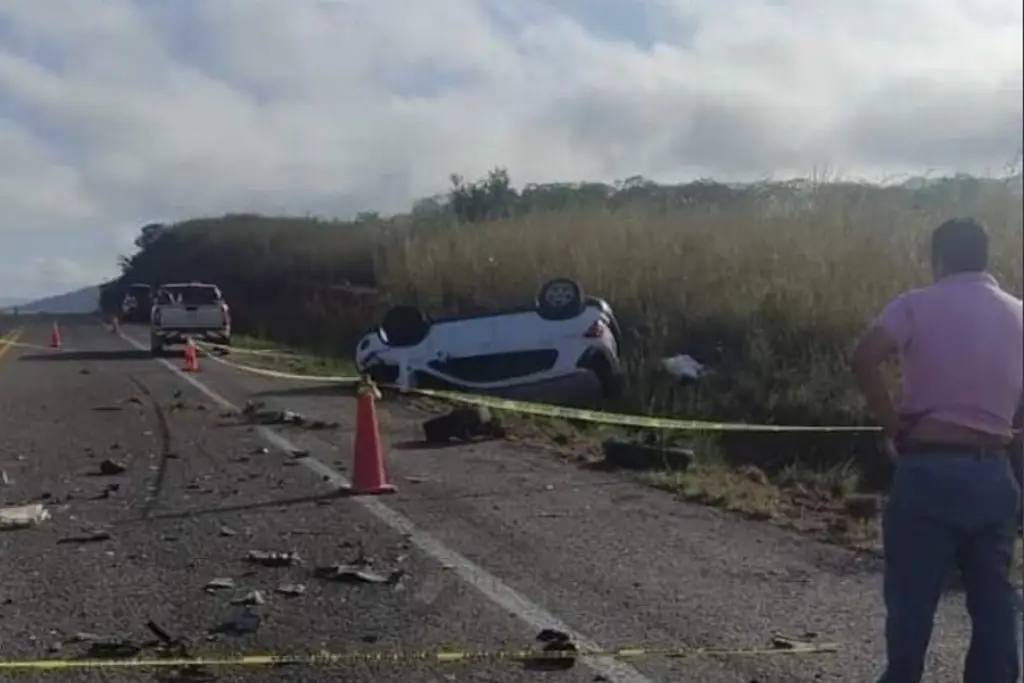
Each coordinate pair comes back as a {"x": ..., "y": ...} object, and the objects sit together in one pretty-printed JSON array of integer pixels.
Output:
[{"x": 954, "y": 497}]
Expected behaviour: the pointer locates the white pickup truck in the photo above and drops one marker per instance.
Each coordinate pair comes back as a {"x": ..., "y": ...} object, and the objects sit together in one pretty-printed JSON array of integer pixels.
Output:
[{"x": 192, "y": 309}]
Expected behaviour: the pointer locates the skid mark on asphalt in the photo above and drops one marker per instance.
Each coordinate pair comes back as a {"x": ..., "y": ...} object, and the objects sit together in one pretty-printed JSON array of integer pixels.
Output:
[
  {"x": 483, "y": 581},
  {"x": 166, "y": 452}
]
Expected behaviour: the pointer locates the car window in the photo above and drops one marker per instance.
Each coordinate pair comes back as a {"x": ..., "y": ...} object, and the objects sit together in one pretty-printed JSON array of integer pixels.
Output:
[{"x": 191, "y": 296}]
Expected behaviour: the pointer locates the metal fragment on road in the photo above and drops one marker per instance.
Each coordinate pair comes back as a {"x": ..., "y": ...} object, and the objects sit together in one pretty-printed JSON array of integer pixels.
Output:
[
  {"x": 241, "y": 623},
  {"x": 252, "y": 597},
  {"x": 220, "y": 583},
  {"x": 23, "y": 516},
  {"x": 87, "y": 536},
  {"x": 292, "y": 590},
  {"x": 274, "y": 559},
  {"x": 109, "y": 468},
  {"x": 350, "y": 573},
  {"x": 227, "y": 531}
]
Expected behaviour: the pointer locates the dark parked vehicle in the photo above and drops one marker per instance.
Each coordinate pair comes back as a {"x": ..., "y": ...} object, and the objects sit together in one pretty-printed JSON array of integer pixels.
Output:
[{"x": 136, "y": 305}]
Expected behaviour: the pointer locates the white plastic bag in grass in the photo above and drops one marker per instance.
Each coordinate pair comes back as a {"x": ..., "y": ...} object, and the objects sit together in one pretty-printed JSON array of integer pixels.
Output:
[{"x": 683, "y": 367}]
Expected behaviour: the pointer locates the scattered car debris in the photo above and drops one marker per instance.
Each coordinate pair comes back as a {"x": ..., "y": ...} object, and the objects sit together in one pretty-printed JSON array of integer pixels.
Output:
[
  {"x": 355, "y": 573},
  {"x": 241, "y": 623},
  {"x": 87, "y": 536},
  {"x": 23, "y": 516},
  {"x": 300, "y": 453},
  {"x": 274, "y": 559},
  {"x": 260, "y": 450},
  {"x": 554, "y": 641},
  {"x": 227, "y": 531},
  {"x": 110, "y": 468},
  {"x": 221, "y": 583},
  {"x": 115, "y": 648},
  {"x": 642, "y": 456},
  {"x": 463, "y": 423},
  {"x": 107, "y": 491},
  {"x": 252, "y": 597},
  {"x": 108, "y": 409},
  {"x": 292, "y": 590}
]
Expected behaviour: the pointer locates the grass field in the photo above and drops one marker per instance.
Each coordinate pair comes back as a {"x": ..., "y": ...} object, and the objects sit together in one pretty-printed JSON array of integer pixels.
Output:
[{"x": 767, "y": 284}]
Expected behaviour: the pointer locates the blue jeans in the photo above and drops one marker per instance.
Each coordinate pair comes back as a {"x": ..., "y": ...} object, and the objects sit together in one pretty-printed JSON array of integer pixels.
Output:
[{"x": 951, "y": 510}]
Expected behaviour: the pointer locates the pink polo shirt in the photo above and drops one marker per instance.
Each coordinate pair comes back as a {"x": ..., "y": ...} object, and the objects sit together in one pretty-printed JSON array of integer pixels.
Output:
[{"x": 961, "y": 348}]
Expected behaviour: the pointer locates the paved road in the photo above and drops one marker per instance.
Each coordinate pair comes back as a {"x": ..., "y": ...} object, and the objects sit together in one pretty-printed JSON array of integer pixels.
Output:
[{"x": 493, "y": 543}]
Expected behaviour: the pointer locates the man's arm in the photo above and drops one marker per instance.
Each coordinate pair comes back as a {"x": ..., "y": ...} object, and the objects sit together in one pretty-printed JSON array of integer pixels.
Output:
[
  {"x": 869, "y": 352},
  {"x": 880, "y": 341}
]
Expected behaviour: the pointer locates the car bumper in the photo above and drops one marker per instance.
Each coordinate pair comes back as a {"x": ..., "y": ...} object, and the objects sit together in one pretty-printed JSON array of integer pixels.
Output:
[{"x": 177, "y": 336}]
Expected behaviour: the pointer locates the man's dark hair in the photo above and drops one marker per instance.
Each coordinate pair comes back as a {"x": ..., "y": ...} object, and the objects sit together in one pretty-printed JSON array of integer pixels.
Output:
[{"x": 961, "y": 245}]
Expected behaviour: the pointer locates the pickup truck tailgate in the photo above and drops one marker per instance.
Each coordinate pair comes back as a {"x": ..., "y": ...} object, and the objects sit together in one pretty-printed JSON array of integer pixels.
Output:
[{"x": 181, "y": 317}]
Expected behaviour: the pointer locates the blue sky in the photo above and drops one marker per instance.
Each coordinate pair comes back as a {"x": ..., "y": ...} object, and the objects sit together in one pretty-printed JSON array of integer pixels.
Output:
[{"x": 116, "y": 113}]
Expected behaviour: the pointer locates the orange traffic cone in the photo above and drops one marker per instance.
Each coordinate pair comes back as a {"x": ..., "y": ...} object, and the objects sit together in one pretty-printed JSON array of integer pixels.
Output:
[
  {"x": 368, "y": 471},
  {"x": 55, "y": 336},
  {"x": 191, "y": 357}
]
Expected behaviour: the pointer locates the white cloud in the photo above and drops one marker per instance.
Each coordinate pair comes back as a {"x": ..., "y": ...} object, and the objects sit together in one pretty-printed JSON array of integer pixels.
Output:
[{"x": 116, "y": 113}]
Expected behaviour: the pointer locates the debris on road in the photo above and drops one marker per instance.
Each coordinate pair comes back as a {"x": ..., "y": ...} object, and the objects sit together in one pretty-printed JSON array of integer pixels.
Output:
[
  {"x": 23, "y": 516},
  {"x": 292, "y": 590},
  {"x": 554, "y": 641},
  {"x": 88, "y": 536},
  {"x": 114, "y": 648},
  {"x": 252, "y": 597},
  {"x": 464, "y": 424},
  {"x": 274, "y": 559},
  {"x": 110, "y": 468},
  {"x": 227, "y": 531},
  {"x": 355, "y": 573},
  {"x": 220, "y": 583},
  {"x": 242, "y": 622}
]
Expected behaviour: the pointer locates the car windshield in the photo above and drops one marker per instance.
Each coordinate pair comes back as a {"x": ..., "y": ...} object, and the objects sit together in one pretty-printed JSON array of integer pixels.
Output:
[{"x": 190, "y": 296}]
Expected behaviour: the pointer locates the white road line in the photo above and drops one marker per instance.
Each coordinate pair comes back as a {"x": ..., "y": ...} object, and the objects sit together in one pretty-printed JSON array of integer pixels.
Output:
[{"x": 483, "y": 581}]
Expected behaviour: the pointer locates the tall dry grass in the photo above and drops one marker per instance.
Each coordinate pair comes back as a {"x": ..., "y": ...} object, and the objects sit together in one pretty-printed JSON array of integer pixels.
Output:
[{"x": 768, "y": 294}]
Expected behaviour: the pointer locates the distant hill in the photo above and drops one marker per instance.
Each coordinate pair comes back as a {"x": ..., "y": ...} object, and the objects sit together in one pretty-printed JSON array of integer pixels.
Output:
[{"x": 85, "y": 300}]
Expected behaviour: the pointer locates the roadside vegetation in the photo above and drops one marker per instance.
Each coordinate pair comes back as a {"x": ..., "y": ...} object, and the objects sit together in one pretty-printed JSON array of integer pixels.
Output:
[{"x": 766, "y": 284}]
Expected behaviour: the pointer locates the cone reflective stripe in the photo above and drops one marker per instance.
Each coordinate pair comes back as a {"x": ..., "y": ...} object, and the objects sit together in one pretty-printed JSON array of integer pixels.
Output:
[
  {"x": 369, "y": 475},
  {"x": 191, "y": 357},
  {"x": 55, "y": 336}
]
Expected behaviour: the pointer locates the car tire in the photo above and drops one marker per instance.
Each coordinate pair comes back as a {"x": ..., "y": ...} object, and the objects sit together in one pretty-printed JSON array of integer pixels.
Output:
[
  {"x": 611, "y": 382},
  {"x": 156, "y": 346},
  {"x": 404, "y": 326},
  {"x": 560, "y": 299}
]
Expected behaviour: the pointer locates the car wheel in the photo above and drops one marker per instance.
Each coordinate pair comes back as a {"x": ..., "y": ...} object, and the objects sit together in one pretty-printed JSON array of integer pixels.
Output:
[
  {"x": 404, "y": 326},
  {"x": 560, "y": 299},
  {"x": 610, "y": 381},
  {"x": 156, "y": 346}
]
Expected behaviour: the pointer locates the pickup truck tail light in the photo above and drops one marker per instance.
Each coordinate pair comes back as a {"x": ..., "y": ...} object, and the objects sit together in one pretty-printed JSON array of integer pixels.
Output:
[{"x": 596, "y": 330}]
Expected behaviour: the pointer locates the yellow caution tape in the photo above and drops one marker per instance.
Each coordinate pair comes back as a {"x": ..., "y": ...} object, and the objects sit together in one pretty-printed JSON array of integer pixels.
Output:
[
  {"x": 442, "y": 656},
  {"x": 563, "y": 412}
]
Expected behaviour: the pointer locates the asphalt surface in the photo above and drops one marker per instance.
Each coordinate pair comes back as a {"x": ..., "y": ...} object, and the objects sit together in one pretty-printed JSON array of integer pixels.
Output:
[{"x": 484, "y": 545}]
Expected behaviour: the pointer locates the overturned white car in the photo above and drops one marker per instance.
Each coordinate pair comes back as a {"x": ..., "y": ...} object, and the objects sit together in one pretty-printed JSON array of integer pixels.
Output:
[{"x": 562, "y": 336}]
